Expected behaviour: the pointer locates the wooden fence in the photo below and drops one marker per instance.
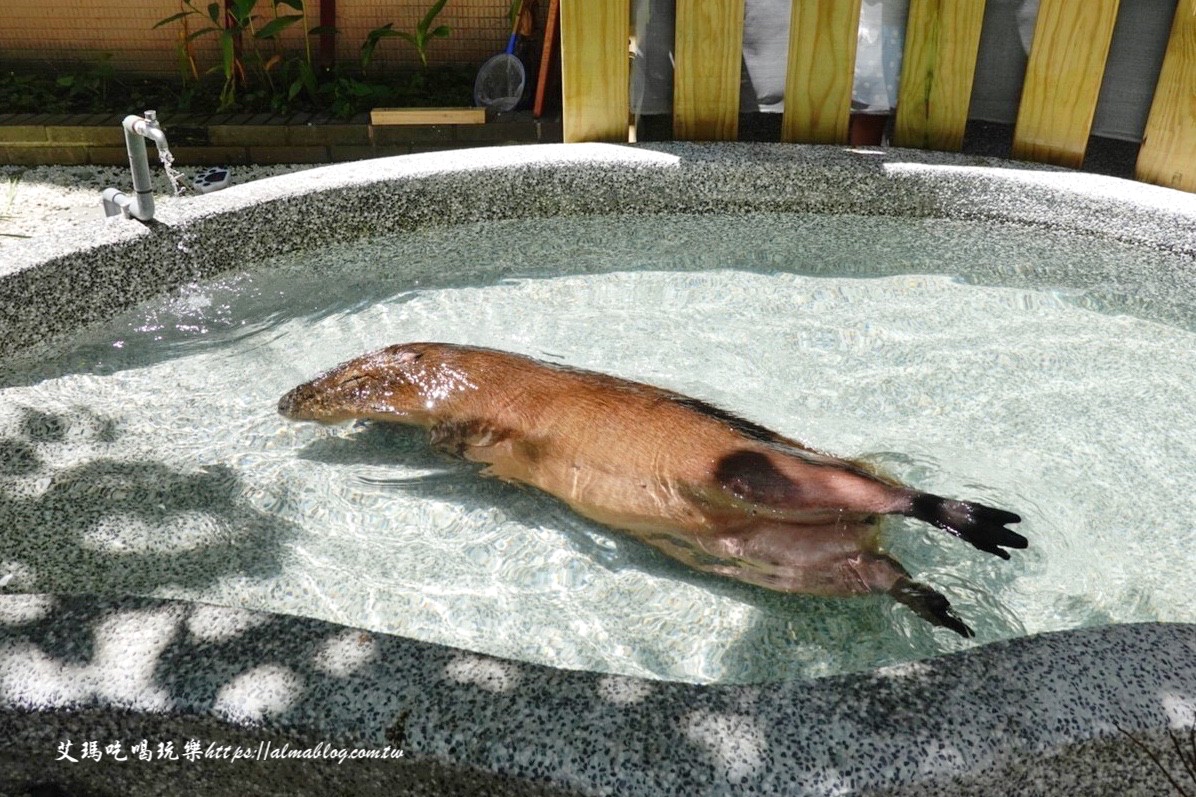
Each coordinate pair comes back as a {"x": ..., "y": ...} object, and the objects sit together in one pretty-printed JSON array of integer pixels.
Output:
[{"x": 1062, "y": 82}]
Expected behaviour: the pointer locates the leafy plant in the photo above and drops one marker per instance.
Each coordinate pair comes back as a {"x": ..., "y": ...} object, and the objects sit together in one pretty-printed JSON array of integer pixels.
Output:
[
  {"x": 371, "y": 42},
  {"x": 302, "y": 72},
  {"x": 423, "y": 35},
  {"x": 92, "y": 87},
  {"x": 237, "y": 19},
  {"x": 26, "y": 93},
  {"x": 235, "y": 26},
  {"x": 188, "y": 66},
  {"x": 346, "y": 95},
  {"x": 252, "y": 71},
  {"x": 92, "y": 83},
  {"x": 239, "y": 26}
]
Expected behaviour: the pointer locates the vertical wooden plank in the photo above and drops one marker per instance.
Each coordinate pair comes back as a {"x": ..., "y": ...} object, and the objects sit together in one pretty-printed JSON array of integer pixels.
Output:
[
  {"x": 594, "y": 69},
  {"x": 1063, "y": 77},
  {"x": 942, "y": 38},
  {"x": 707, "y": 53},
  {"x": 1168, "y": 154},
  {"x": 821, "y": 68}
]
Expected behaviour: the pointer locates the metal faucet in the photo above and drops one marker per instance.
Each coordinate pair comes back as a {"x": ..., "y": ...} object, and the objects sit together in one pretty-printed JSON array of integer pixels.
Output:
[{"x": 141, "y": 204}]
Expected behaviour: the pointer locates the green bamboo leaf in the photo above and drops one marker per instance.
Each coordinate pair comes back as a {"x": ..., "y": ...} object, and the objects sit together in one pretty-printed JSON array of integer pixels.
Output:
[
  {"x": 277, "y": 26},
  {"x": 295, "y": 4},
  {"x": 227, "y": 53},
  {"x": 204, "y": 32},
  {"x": 408, "y": 37},
  {"x": 436, "y": 8},
  {"x": 172, "y": 18},
  {"x": 322, "y": 30},
  {"x": 442, "y": 31},
  {"x": 214, "y": 12},
  {"x": 371, "y": 42},
  {"x": 309, "y": 78},
  {"x": 385, "y": 30},
  {"x": 242, "y": 10}
]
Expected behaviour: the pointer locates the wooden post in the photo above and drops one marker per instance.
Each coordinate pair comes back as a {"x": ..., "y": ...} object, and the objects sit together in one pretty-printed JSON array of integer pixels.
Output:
[
  {"x": 550, "y": 32},
  {"x": 1063, "y": 77},
  {"x": 1168, "y": 154},
  {"x": 707, "y": 53},
  {"x": 327, "y": 40},
  {"x": 821, "y": 69},
  {"x": 942, "y": 38},
  {"x": 594, "y": 69}
]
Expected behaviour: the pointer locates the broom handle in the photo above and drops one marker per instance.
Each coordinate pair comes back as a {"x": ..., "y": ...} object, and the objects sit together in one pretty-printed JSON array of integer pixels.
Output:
[
  {"x": 546, "y": 57},
  {"x": 515, "y": 29}
]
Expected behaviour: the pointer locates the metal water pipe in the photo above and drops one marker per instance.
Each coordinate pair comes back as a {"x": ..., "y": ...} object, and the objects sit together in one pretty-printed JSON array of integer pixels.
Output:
[{"x": 141, "y": 204}]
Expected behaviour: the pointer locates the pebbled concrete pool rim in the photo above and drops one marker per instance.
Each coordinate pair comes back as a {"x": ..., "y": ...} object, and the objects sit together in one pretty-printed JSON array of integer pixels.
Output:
[{"x": 1049, "y": 714}]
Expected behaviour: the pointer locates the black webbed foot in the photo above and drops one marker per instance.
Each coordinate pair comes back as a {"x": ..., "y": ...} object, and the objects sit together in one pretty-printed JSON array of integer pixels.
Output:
[
  {"x": 982, "y": 526},
  {"x": 930, "y": 605}
]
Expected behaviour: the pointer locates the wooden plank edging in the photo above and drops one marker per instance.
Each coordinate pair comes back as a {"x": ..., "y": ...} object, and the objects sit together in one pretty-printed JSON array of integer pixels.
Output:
[
  {"x": 707, "y": 53},
  {"x": 1063, "y": 79},
  {"x": 820, "y": 71},
  {"x": 942, "y": 41},
  {"x": 1168, "y": 154},
  {"x": 595, "y": 69}
]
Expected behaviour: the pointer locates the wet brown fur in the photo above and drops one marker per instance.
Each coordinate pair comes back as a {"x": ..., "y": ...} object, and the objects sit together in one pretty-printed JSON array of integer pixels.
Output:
[{"x": 713, "y": 490}]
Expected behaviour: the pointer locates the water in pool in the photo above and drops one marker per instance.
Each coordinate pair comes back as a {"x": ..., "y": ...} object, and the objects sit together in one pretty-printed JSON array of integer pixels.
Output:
[{"x": 1024, "y": 369}]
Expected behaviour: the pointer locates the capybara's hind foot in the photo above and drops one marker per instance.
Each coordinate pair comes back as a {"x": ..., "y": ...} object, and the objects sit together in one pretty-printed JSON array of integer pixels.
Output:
[
  {"x": 930, "y": 605},
  {"x": 982, "y": 526}
]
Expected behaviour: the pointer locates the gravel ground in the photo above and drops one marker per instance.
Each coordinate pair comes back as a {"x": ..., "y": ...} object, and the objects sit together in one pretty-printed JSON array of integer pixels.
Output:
[{"x": 34, "y": 201}]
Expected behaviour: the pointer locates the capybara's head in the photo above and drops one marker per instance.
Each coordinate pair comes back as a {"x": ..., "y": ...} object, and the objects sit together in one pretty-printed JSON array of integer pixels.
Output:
[{"x": 400, "y": 383}]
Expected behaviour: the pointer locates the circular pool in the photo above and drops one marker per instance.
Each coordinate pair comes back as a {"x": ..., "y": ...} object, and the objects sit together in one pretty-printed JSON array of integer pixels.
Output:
[{"x": 972, "y": 327}]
